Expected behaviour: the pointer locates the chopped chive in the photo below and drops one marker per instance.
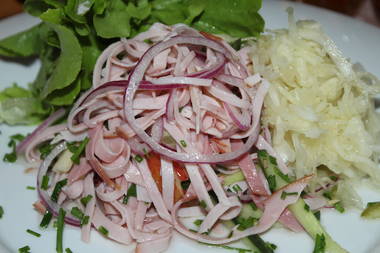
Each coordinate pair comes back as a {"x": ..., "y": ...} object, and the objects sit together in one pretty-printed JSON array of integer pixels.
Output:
[
  {"x": 79, "y": 150},
  {"x": 60, "y": 226},
  {"x": 103, "y": 230},
  {"x": 271, "y": 245},
  {"x": 328, "y": 195},
  {"x": 334, "y": 178},
  {"x": 306, "y": 207},
  {"x": 85, "y": 220},
  {"x": 30, "y": 187},
  {"x": 57, "y": 190},
  {"x": 198, "y": 222},
  {"x": 138, "y": 158},
  {"x": 339, "y": 207},
  {"x": 253, "y": 206},
  {"x": 1, "y": 212},
  {"x": 284, "y": 194},
  {"x": 183, "y": 143},
  {"x": 86, "y": 199},
  {"x": 320, "y": 244},
  {"x": 318, "y": 215},
  {"x": 33, "y": 233},
  {"x": 76, "y": 212},
  {"x": 45, "y": 149},
  {"x": 68, "y": 250},
  {"x": 45, "y": 182},
  {"x": 192, "y": 230},
  {"x": 240, "y": 250},
  {"x": 202, "y": 204},
  {"x": 272, "y": 182},
  {"x": 130, "y": 193},
  {"x": 245, "y": 223},
  {"x": 25, "y": 249},
  {"x": 46, "y": 219},
  {"x": 236, "y": 188},
  {"x": 230, "y": 234},
  {"x": 12, "y": 156}
]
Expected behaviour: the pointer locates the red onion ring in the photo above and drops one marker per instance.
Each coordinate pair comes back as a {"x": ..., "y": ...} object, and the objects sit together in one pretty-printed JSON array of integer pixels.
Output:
[
  {"x": 241, "y": 120},
  {"x": 50, "y": 205},
  {"x": 134, "y": 81},
  {"x": 50, "y": 120}
]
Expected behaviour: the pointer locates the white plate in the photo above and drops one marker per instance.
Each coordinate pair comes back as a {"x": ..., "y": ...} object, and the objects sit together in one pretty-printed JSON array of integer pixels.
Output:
[{"x": 357, "y": 40}]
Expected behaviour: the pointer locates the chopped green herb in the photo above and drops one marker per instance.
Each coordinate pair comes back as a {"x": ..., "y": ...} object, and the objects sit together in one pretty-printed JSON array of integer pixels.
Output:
[
  {"x": 318, "y": 215},
  {"x": 103, "y": 230},
  {"x": 320, "y": 244},
  {"x": 77, "y": 213},
  {"x": 45, "y": 182},
  {"x": 57, "y": 189},
  {"x": 138, "y": 158},
  {"x": 245, "y": 223},
  {"x": 306, "y": 207},
  {"x": 237, "y": 188},
  {"x": 328, "y": 195},
  {"x": 130, "y": 193},
  {"x": 30, "y": 187},
  {"x": 202, "y": 204},
  {"x": 253, "y": 206},
  {"x": 46, "y": 219},
  {"x": 339, "y": 207},
  {"x": 1, "y": 212},
  {"x": 240, "y": 250},
  {"x": 198, "y": 222},
  {"x": 77, "y": 150},
  {"x": 33, "y": 233},
  {"x": 60, "y": 226},
  {"x": 192, "y": 230},
  {"x": 236, "y": 44},
  {"x": 271, "y": 245},
  {"x": 183, "y": 143},
  {"x": 86, "y": 199},
  {"x": 12, "y": 156},
  {"x": 334, "y": 178},
  {"x": 185, "y": 184},
  {"x": 272, "y": 182},
  {"x": 181, "y": 108},
  {"x": 45, "y": 149},
  {"x": 68, "y": 250},
  {"x": 85, "y": 220},
  {"x": 25, "y": 249},
  {"x": 284, "y": 194}
]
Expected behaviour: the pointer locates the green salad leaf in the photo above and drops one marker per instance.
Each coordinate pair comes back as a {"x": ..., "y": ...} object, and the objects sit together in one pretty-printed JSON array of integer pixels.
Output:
[{"x": 73, "y": 33}]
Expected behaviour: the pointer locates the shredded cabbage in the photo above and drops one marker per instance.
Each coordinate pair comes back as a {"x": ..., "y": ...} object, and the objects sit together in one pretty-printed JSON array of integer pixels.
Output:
[{"x": 320, "y": 107}]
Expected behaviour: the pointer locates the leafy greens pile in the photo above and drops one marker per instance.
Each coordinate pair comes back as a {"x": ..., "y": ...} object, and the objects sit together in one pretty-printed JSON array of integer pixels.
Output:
[{"x": 73, "y": 33}]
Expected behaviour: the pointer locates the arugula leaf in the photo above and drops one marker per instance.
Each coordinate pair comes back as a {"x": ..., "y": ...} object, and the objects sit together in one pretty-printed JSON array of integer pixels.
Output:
[
  {"x": 241, "y": 20},
  {"x": 23, "y": 44},
  {"x": 54, "y": 16},
  {"x": 114, "y": 22},
  {"x": 68, "y": 64}
]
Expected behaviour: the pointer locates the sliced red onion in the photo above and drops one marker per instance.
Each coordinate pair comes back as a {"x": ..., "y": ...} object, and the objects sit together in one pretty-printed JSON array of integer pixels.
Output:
[
  {"x": 50, "y": 120},
  {"x": 242, "y": 120},
  {"x": 137, "y": 147},
  {"x": 157, "y": 130},
  {"x": 53, "y": 207},
  {"x": 134, "y": 81},
  {"x": 170, "y": 107}
]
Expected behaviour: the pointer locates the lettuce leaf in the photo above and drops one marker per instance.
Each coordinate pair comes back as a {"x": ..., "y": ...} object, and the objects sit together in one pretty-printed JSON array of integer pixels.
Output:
[{"x": 20, "y": 106}]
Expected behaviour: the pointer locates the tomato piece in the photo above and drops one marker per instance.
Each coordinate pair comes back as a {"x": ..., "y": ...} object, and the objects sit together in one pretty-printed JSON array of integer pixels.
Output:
[
  {"x": 180, "y": 171},
  {"x": 154, "y": 163}
]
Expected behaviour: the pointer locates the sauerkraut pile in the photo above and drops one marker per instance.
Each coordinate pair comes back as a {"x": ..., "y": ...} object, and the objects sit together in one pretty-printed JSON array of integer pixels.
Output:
[{"x": 320, "y": 107}]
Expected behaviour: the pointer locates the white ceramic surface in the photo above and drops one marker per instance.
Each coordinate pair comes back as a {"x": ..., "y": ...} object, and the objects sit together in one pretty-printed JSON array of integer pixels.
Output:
[{"x": 359, "y": 41}]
